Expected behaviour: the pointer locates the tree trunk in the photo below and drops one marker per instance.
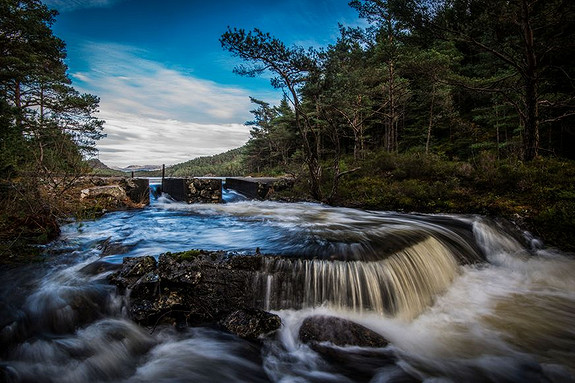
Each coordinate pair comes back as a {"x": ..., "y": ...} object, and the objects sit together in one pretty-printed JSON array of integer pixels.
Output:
[
  {"x": 390, "y": 133},
  {"x": 530, "y": 114},
  {"x": 427, "y": 142},
  {"x": 311, "y": 149}
]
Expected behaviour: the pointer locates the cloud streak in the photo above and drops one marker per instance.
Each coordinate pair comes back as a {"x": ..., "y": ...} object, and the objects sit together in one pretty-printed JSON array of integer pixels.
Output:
[
  {"x": 155, "y": 114},
  {"x": 70, "y": 5},
  {"x": 132, "y": 83},
  {"x": 139, "y": 140}
]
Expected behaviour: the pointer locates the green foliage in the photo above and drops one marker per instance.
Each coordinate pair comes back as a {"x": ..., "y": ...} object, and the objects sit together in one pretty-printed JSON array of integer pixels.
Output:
[
  {"x": 456, "y": 81},
  {"x": 48, "y": 125},
  {"x": 540, "y": 193}
]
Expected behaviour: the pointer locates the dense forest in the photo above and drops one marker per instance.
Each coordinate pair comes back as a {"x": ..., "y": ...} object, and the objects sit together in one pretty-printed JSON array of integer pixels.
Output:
[
  {"x": 47, "y": 128},
  {"x": 449, "y": 78},
  {"x": 436, "y": 106}
]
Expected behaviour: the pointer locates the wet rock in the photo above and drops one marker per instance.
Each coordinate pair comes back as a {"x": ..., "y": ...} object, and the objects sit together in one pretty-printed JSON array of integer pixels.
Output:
[
  {"x": 251, "y": 323},
  {"x": 178, "y": 269},
  {"x": 353, "y": 350},
  {"x": 338, "y": 331},
  {"x": 192, "y": 287},
  {"x": 98, "y": 267},
  {"x": 363, "y": 364},
  {"x": 132, "y": 271},
  {"x": 109, "y": 247}
]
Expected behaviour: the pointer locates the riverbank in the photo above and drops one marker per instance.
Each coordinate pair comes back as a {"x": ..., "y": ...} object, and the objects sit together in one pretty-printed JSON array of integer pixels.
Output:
[
  {"x": 538, "y": 196},
  {"x": 32, "y": 212}
]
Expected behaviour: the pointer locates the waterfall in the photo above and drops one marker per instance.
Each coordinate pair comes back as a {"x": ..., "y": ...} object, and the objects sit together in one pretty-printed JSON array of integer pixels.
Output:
[{"x": 401, "y": 285}]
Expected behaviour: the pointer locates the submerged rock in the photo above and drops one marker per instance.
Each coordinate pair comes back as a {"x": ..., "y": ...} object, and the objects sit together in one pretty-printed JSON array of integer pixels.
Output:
[{"x": 340, "y": 332}]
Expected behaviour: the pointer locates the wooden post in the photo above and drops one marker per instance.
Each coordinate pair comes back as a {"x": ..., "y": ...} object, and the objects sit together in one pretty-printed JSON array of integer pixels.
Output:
[
  {"x": 163, "y": 175},
  {"x": 132, "y": 174}
]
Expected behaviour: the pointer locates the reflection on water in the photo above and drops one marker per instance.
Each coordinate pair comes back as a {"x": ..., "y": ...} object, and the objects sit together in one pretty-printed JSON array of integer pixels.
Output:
[{"x": 470, "y": 300}]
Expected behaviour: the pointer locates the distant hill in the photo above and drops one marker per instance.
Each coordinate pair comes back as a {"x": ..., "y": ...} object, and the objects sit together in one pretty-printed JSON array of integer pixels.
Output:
[
  {"x": 219, "y": 165},
  {"x": 101, "y": 169},
  {"x": 95, "y": 163}
]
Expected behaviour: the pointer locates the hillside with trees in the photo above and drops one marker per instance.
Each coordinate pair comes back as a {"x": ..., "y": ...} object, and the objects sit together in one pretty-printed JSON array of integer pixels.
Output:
[{"x": 225, "y": 164}]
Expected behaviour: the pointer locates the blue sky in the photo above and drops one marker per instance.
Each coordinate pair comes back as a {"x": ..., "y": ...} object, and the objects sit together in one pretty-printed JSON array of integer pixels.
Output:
[{"x": 167, "y": 90}]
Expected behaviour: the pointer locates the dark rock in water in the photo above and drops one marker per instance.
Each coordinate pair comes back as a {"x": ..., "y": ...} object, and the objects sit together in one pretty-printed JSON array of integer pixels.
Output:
[
  {"x": 192, "y": 287},
  {"x": 251, "y": 323},
  {"x": 341, "y": 332},
  {"x": 133, "y": 269},
  {"x": 331, "y": 337},
  {"x": 363, "y": 364},
  {"x": 109, "y": 247},
  {"x": 8, "y": 374}
]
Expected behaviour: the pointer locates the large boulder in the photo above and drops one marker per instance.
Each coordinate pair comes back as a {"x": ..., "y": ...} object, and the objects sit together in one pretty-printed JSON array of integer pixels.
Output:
[
  {"x": 119, "y": 192},
  {"x": 193, "y": 287}
]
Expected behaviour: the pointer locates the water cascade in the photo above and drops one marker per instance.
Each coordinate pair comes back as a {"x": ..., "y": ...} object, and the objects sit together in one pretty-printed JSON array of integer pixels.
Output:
[{"x": 402, "y": 284}]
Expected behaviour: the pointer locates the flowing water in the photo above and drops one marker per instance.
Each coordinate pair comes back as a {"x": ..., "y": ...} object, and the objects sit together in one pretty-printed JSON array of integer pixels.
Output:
[{"x": 460, "y": 298}]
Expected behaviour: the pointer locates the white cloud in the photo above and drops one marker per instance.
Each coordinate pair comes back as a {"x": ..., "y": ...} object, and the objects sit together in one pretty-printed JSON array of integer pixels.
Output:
[
  {"x": 155, "y": 114},
  {"x": 140, "y": 140},
  {"x": 70, "y": 5},
  {"x": 127, "y": 82}
]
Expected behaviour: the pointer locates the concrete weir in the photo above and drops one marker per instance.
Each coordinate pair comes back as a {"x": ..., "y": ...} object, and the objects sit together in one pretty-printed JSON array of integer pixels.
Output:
[
  {"x": 252, "y": 187},
  {"x": 193, "y": 190},
  {"x": 209, "y": 190}
]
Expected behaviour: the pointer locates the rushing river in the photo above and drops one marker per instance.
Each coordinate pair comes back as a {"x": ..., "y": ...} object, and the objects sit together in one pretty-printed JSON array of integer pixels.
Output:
[{"x": 460, "y": 299}]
